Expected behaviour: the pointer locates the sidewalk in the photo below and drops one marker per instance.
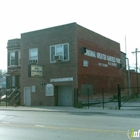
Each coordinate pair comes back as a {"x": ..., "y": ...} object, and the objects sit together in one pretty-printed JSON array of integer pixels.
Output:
[{"x": 93, "y": 110}]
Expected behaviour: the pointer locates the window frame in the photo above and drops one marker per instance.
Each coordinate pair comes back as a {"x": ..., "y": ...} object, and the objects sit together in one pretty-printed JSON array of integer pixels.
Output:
[
  {"x": 55, "y": 53},
  {"x": 11, "y": 59},
  {"x": 30, "y": 54}
]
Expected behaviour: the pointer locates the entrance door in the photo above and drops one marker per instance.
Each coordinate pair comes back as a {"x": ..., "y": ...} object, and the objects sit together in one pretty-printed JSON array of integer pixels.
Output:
[
  {"x": 65, "y": 95},
  {"x": 27, "y": 96}
]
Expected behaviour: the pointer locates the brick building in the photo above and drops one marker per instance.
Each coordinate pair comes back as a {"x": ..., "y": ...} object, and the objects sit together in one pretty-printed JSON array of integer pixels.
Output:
[
  {"x": 53, "y": 62},
  {"x": 13, "y": 64}
]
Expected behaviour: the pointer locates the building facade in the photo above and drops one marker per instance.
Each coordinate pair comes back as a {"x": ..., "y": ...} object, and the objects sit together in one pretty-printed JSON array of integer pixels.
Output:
[
  {"x": 55, "y": 61},
  {"x": 13, "y": 64}
]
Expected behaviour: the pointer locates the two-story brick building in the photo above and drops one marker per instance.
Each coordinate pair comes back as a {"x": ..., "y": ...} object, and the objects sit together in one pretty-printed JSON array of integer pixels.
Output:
[{"x": 56, "y": 60}]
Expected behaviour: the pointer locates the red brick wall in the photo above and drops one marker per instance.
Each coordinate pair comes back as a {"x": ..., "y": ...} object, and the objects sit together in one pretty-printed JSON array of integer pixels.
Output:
[
  {"x": 43, "y": 39},
  {"x": 133, "y": 79},
  {"x": 94, "y": 74}
]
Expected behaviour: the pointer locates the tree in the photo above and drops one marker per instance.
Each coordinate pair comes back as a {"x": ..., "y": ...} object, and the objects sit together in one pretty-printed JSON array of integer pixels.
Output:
[{"x": 2, "y": 73}]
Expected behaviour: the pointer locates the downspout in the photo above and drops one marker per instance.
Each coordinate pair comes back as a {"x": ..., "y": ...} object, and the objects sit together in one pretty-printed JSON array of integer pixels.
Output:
[{"x": 128, "y": 75}]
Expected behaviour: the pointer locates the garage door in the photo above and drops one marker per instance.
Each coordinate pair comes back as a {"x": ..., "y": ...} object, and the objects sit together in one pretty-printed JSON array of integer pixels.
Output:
[{"x": 64, "y": 95}]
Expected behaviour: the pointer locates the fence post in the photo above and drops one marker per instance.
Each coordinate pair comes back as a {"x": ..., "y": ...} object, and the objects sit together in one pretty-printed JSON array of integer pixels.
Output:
[
  {"x": 119, "y": 97},
  {"x": 103, "y": 97},
  {"x": 15, "y": 102},
  {"x": 6, "y": 98},
  {"x": 88, "y": 96},
  {"x": 75, "y": 97}
]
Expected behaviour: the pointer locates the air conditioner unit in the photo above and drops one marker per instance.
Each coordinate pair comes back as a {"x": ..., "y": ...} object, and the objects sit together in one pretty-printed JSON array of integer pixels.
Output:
[
  {"x": 32, "y": 61},
  {"x": 57, "y": 57}
]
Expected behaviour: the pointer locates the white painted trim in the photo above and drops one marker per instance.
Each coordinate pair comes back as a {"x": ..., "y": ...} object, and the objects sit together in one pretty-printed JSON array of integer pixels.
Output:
[
  {"x": 61, "y": 79},
  {"x": 55, "y": 52},
  {"x": 24, "y": 93}
]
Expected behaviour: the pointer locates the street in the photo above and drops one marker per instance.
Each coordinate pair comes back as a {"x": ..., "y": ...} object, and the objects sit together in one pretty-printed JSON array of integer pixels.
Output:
[{"x": 31, "y": 125}]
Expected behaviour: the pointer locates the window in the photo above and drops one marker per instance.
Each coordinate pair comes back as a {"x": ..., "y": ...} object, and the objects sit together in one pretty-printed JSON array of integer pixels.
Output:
[
  {"x": 85, "y": 63},
  {"x": 19, "y": 58},
  {"x": 13, "y": 58},
  {"x": 13, "y": 81},
  {"x": 33, "y": 54},
  {"x": 59, "y": 50}
]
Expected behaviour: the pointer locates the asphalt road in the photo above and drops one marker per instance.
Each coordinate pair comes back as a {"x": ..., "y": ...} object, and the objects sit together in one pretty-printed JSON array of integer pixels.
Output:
[{"x": 29, "y": 125}]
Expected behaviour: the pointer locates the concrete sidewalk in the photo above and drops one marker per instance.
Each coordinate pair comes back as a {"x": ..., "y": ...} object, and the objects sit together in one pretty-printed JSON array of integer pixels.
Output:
[{"x": 93, "y": 110}]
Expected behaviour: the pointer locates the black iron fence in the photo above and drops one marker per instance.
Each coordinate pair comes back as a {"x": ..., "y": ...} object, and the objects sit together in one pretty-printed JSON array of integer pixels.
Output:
[
  {"x": 108, "y": 97},
  {"x": 130, "y": 97},
  {"x": 100, "y": 97}
]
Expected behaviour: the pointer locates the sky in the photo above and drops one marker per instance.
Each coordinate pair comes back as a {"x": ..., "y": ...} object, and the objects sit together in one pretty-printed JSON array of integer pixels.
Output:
[{"x": 113, "y": 19}]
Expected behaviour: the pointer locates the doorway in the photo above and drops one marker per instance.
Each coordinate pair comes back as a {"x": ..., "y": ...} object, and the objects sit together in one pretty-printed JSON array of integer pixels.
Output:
[
  {"x": 64, "y": 95},
  {"x": 27, "y": 96}
]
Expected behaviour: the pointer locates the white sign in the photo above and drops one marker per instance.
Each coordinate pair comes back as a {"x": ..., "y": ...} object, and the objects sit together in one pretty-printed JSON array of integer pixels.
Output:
[
  {"x": 112, "y": 64},
  {"x": 112, "y": 61},
  {"x": 33, "y": 88},
  {"x": 90, "y": 53},
  {"x": 102, "y": 56},
  {"x": 85, "y": 63},
  {"x": 36, "y": 71},
  {"x": 49, "y": 90},
  {"x": 102, "y": 65},
  {"x": 62, "y": 79}
]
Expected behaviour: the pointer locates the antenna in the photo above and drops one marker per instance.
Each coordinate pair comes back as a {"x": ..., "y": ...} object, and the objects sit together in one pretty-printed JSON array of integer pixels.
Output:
[{"x": 125, "y": 46}]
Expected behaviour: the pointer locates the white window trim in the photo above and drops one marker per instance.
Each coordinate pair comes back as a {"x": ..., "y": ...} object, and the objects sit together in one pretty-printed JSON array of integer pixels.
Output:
[{"x": 55, "y": 52}]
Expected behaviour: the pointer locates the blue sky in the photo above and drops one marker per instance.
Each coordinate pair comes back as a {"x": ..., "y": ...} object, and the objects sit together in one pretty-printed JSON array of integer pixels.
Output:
[{"x": 111, "y": 18}]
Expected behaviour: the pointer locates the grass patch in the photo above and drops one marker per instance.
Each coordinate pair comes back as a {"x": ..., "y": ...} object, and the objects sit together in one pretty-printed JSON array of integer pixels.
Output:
[
  {"x": 79, "y": 105},
  {"x": 3, "y": 103}
]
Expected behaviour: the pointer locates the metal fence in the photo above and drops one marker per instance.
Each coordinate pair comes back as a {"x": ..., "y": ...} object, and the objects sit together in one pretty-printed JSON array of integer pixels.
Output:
[
  {"x": 100, "y": 97},
  {"x": 130, "y": 97},
  {"x": 108, "y": 97}
]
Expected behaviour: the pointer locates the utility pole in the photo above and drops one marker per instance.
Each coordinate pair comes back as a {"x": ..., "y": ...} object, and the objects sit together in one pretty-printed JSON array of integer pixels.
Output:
[{"x": 136, "y": 51}]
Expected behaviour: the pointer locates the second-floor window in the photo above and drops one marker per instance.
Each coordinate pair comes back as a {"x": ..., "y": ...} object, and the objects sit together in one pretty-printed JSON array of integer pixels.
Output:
[
  {"x": 59, "y": 50},
  {"x": 13, "y": 58},
  {"x": 33, "y": 54}
]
